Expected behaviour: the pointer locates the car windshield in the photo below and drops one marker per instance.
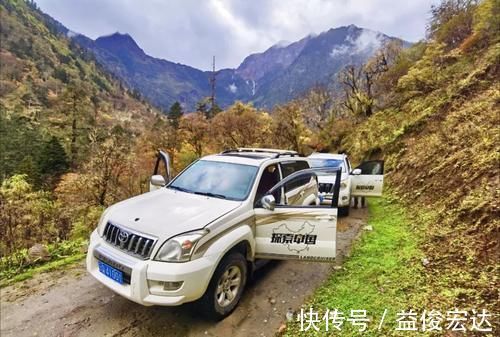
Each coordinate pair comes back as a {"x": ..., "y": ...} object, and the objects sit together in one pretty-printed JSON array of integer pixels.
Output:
[
  {"x": 216, "y": 179},
  {"x": 316, "y": 162}
]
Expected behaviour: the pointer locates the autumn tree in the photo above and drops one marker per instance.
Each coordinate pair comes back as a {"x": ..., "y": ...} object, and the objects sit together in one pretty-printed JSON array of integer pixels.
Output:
[
  {"x": 360, "y": 83},
  {"x": 317, "y": 105},
  {"x": 289, "y": 130},
  {"x": 195, "y": 129},
  {"x": 451, "y": 21},
  {"x": 27, "y": 216},
  {"x": 241, "y": 125},
  {"x": 105, "y": 167},
  {"x": 486, "y": 26},
  {"x": 356, "y": 100},
  {"x": 162, "y": 135}
]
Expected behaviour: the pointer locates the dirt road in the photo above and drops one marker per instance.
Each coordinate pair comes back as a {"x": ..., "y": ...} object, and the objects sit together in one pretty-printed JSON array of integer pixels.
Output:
[{"x": 72, "y": 303}]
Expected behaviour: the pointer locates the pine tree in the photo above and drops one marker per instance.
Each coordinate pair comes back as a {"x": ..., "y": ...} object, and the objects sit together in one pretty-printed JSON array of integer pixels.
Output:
[
  {"x": 53, "y": 159},
  {"x": 214, "y": 110},
  {"x": 202, "y": 106},
  {"x": 175, "y": 114}
]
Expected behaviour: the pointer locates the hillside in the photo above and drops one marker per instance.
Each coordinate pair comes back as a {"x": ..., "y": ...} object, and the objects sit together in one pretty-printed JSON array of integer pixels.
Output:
[
  {"x": 439, "y": 137},
  {"x": 63, "y": 121},
  {"x": 281, "y": 73},
  {"x": 42, "y": 71}
]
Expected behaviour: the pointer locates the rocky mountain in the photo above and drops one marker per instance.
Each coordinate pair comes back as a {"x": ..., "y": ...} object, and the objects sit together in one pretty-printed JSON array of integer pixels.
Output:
[{"x": 276, "y": 75}]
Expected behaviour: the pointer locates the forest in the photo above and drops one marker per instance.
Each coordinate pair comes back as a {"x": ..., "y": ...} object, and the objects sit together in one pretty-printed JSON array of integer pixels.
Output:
[{"x": 74, "y": 140}]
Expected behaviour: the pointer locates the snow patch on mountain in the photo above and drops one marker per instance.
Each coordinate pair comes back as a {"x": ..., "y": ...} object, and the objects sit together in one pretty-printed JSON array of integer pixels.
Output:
[{"x": 232, "y": 88}]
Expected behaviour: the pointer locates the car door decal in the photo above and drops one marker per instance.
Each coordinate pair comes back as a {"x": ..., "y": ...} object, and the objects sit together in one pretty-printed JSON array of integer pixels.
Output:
[{"x": 295, "y": 238}]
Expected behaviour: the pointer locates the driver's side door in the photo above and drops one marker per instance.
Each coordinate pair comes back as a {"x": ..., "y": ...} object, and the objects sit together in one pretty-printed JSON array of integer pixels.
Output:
[{"x": 296, "y": 232}]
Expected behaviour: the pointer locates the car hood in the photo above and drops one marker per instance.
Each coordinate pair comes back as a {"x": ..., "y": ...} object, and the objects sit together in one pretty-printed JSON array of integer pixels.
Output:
[
  {"x": 165, "y": 212},
  {"x": 330, "y": 179}
]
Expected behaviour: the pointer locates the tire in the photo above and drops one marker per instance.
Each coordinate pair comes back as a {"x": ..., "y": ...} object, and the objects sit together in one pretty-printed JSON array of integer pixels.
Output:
[
  {"x": 344, "y": 211},
  {"x": 222, "y": 295}
]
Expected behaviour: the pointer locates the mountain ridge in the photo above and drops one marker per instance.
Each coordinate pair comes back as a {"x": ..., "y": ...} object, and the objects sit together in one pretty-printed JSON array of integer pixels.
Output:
[{"x": 278, "y": 74}]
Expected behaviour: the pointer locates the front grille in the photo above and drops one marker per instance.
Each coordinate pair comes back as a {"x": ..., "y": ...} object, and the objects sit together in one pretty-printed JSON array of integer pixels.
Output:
[
  {"x": 325, "y": 188},
  {"x": 130, "y": 242}
]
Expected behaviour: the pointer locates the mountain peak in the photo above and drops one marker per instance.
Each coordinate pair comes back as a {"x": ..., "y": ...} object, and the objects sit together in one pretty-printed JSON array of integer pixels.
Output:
[{"x": 119, "y": 42}]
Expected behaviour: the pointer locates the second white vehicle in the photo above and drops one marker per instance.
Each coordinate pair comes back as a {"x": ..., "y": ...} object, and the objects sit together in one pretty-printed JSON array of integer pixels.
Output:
[{"x": 365, "y": 180}]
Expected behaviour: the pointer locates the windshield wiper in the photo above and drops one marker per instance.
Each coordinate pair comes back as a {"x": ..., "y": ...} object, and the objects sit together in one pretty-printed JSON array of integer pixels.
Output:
[
  {"x": 214, "y": 195},
  {"x": 180, "y": 189}
]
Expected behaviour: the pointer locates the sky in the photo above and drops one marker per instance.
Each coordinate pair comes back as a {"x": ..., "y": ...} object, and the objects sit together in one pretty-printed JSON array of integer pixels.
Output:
[{"x": 191, "y": 31}]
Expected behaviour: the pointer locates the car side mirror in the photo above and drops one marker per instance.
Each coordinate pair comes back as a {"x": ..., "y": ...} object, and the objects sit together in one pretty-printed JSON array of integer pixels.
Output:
[
  {"x": 268, "y": 202},
  {"x": 156, "y": 182},
  {"x": 356, "y": 172}
]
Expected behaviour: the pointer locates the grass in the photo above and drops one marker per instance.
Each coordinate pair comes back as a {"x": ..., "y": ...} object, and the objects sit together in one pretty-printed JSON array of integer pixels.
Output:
[
  {"x": 384, "y": 272},
  {"x": 49, "y": 266},
  {"x": 16, "y": 267}
]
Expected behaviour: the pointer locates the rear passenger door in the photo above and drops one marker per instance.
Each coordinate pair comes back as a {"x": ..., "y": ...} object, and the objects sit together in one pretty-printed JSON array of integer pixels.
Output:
[{"x": 302, "y": 191}]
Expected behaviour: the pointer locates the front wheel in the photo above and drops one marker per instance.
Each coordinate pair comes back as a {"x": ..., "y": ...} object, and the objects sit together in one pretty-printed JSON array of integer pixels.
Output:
[{"x": 225, "y": 288}]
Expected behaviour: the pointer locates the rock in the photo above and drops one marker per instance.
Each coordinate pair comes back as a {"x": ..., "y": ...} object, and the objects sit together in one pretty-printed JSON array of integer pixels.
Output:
[
  {"x": 425, "y": 262},
  {"x": 289, "y": 315},
  {"x": 368, "y": 228},
  {"x": 84, "y": 247},
  {"x": 282, "y": 328},
  {"x": 272, "y": 301},
  {"x": 337, "y": 267},
  {"x": 38, "y": 252}
]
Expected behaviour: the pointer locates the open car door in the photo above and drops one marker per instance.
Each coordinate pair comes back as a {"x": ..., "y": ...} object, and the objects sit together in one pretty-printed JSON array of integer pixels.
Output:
[
  {"x": 297, "y": 231},
  {"x": 367, "y": 180}
]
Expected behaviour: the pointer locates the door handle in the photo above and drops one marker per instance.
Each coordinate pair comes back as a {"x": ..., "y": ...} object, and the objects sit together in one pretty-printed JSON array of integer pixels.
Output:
[{"x": 324, "y": 217}]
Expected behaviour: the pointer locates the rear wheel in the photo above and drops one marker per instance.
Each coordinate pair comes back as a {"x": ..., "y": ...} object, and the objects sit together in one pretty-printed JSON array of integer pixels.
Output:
[
  {"x": 344, "y": 211},
  {"x": 225, "y": 288}
]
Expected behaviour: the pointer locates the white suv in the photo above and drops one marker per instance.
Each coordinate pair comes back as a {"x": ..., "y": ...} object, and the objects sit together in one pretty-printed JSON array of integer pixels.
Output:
[
  {"x": 200, "y": 236},
  {"x": 365, "y": 180}
]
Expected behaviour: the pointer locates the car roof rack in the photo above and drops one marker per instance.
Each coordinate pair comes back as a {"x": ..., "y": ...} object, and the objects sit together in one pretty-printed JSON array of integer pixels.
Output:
[{"x": 278, "y": 153}]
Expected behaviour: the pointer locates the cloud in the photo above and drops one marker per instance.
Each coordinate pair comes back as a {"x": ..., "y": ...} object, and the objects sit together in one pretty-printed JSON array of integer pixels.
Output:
[
  {"x": 367, "y": 42},
  {"x": 191, "y": 31},
  {"x": 340, "y": 50}
]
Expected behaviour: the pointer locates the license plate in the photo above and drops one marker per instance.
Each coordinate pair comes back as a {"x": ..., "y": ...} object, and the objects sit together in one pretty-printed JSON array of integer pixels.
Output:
[{"x": 112, "y": 273}]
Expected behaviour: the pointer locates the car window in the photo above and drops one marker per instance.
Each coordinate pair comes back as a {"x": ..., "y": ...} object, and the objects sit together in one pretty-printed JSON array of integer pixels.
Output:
[
  {"x": 270, "y": 177},
  {"x": 300, "y": 189},
  {"x": 372, "y": 167},
  {"x": 323, "y": 162},
  {"x": 290, "y": 167},
  {"x": 225, "y": 180}
]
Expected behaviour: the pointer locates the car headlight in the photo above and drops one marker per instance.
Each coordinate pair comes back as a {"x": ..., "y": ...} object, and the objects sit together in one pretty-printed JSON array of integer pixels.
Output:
[{"x": 180, "y": 248}]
